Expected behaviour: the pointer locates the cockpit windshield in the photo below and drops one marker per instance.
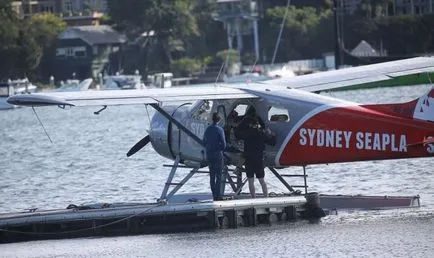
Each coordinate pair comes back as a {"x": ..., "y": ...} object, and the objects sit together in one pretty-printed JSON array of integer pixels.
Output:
[{"x": 203, "y": 110}]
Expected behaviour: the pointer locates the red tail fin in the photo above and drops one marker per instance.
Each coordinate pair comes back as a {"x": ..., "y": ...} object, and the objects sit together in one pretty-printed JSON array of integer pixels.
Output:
[{"x": 421, "y": 108}]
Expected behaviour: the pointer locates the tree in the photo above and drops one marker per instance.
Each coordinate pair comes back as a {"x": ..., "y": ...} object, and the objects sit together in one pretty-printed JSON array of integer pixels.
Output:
[
  {"x": 39, "y": 33},
  {"x": 300, "y": 31},
  {"x": 172, "y": 22},
  {"x": 45, "y": 28},
  {"x": 9, "y": 34}
]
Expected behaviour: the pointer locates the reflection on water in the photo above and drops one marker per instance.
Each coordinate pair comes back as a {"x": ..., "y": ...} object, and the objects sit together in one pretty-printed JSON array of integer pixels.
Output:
[{"x": 87, "y": 164}]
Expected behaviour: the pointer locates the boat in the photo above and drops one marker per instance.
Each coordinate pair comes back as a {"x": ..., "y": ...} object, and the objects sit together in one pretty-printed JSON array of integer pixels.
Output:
[
  {"x": 75, "y": 85},
  {"x": 13, "y": 87},
  {"x": 161, "y": 80},
  {"x": 258, "y": 74},
  {"x": 246, "y": 77},
  {"x": 122, "y": 82}
]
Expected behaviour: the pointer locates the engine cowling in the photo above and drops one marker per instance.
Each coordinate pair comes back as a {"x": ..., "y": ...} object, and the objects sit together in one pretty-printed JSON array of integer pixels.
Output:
[{"x": 164, "y": 135}]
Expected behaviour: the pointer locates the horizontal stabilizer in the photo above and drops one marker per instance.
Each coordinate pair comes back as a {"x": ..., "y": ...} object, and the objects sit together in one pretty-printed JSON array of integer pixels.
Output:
[
  {"x": 421, "y": 108},
  {"x": 424, "y": 109}
]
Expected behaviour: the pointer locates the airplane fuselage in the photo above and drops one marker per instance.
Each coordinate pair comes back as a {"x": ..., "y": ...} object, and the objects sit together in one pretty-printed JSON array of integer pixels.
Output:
[{"x": 309, "y": 128}]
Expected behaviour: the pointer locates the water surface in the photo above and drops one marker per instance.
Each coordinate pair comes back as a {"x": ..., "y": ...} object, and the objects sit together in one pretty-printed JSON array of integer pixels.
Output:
[{"x": 86, "y": 163}]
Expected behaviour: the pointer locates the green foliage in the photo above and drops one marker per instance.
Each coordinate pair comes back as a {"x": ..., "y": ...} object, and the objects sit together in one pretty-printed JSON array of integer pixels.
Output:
[
  {"x": 45, "y": 28},
  {"x": 31, "y": 52},
  {"x": 231, "y": 59},
  {"x": 9, "y": 34},
  {"x": 248, "y": 58},
  {"x": 165, "y": 17},
  {"x": 106, "y": 20},
  {"x": 186, "y": 37},
  {"x": 399, "y": 35},
  {"x": 301, "y": 30},
  {"x": 207, "y": 60},
  {"x": 24, "y": 42},
  {"x": 177, "y": 31},
  {"x": 229, "y": 56},
  {"x": 186, "y": 66}
]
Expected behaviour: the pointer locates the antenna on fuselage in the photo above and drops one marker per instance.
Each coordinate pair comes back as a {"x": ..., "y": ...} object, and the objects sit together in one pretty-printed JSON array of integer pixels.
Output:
[
  {"x": 218, "y": 75},
  {"x": 221, "y": 68},
  {"x": 223, "y": 65}
]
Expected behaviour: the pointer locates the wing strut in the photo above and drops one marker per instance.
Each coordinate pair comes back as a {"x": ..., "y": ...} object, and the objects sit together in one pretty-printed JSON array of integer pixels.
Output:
[{"x": 178, "y": 124}]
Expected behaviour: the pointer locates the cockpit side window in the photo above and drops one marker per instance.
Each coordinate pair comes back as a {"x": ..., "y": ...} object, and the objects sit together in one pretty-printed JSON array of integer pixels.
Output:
[
  {"x": 278, "y": 114},
  {"x": 204, "y": 111},
  {"x": 241, "y": 109},
  {"x": 221, "y": 110}
]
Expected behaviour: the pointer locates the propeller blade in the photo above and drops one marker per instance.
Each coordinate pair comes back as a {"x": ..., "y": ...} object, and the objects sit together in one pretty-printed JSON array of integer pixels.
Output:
[{"x": 138, "y": 146}]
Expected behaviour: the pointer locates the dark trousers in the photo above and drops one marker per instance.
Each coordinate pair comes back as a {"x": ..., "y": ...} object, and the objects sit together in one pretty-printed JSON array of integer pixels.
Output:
[{"x": 216, "y": 164}]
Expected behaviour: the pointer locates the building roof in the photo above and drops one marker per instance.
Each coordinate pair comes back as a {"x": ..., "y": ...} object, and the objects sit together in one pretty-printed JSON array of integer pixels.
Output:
[
  {"x": 94, "y": 35},
  {"x": 364, "y": 49}
]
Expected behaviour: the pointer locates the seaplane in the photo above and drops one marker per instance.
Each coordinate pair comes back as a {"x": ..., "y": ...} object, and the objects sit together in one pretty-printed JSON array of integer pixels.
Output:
[{"x": 309, "y": 128}]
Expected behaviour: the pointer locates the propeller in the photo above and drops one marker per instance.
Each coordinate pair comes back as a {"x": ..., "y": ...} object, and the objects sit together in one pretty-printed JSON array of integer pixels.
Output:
[{"x": 139, "y": 145}]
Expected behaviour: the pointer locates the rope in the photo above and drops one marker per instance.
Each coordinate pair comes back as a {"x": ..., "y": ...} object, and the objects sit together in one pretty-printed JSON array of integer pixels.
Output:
[{"x": 80, "y": 230}]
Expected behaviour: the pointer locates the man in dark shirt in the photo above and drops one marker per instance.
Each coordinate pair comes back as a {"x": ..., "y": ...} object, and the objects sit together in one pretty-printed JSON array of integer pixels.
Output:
[
  {"x": 215, "y": 143},
  {"x": 255, "y": 139}
]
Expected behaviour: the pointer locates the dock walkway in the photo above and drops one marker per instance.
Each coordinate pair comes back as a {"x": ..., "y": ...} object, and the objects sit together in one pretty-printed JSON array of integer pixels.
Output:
[{"x": 175, "y": 216}]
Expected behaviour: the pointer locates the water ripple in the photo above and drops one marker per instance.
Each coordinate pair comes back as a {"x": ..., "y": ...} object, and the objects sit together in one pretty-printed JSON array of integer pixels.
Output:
[{"x": 87, "y": 163}]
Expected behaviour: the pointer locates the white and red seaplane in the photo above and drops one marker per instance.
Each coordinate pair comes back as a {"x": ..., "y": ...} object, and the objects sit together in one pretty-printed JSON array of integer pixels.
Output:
[{"x": 310, "y": 128}]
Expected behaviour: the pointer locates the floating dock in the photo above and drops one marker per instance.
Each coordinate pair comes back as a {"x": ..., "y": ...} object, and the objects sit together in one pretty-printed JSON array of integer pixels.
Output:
[
  {"x": 187, "y": 212},
  {"x": 184, "y": 213}
]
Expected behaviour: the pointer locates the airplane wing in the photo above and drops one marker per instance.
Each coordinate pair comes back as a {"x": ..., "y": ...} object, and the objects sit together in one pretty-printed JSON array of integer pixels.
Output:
[
  {"x": 127, "y": 97},
  {"x": 356, "y": 75},
  {"x": 312, "y": 82}
]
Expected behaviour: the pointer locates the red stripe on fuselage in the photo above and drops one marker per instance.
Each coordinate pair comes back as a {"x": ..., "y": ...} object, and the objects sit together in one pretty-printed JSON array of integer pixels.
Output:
[{"x": 353, "y": 134}]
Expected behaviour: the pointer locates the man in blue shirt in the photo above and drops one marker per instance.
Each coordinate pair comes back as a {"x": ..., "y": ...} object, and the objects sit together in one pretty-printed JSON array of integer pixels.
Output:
[{"x": 215, "y": 143}]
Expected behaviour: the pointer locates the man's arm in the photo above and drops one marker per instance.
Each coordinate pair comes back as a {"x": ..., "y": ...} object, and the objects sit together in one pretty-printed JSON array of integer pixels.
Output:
[
  {"x": 222, "y": 139},
  {"x": 205, "y": 138},
  {"x": 268, "y": 136}
]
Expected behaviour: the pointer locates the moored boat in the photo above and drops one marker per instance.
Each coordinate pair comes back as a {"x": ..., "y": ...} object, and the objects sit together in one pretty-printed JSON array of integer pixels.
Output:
[{"x": 13, "y": 87}]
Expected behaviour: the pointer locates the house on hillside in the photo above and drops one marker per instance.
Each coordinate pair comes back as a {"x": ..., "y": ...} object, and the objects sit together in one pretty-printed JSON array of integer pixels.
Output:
[
  {"x": 73, "y": 12},
  {"x": 86, "y": 51},
  {"x": 364, "y": 49}
]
